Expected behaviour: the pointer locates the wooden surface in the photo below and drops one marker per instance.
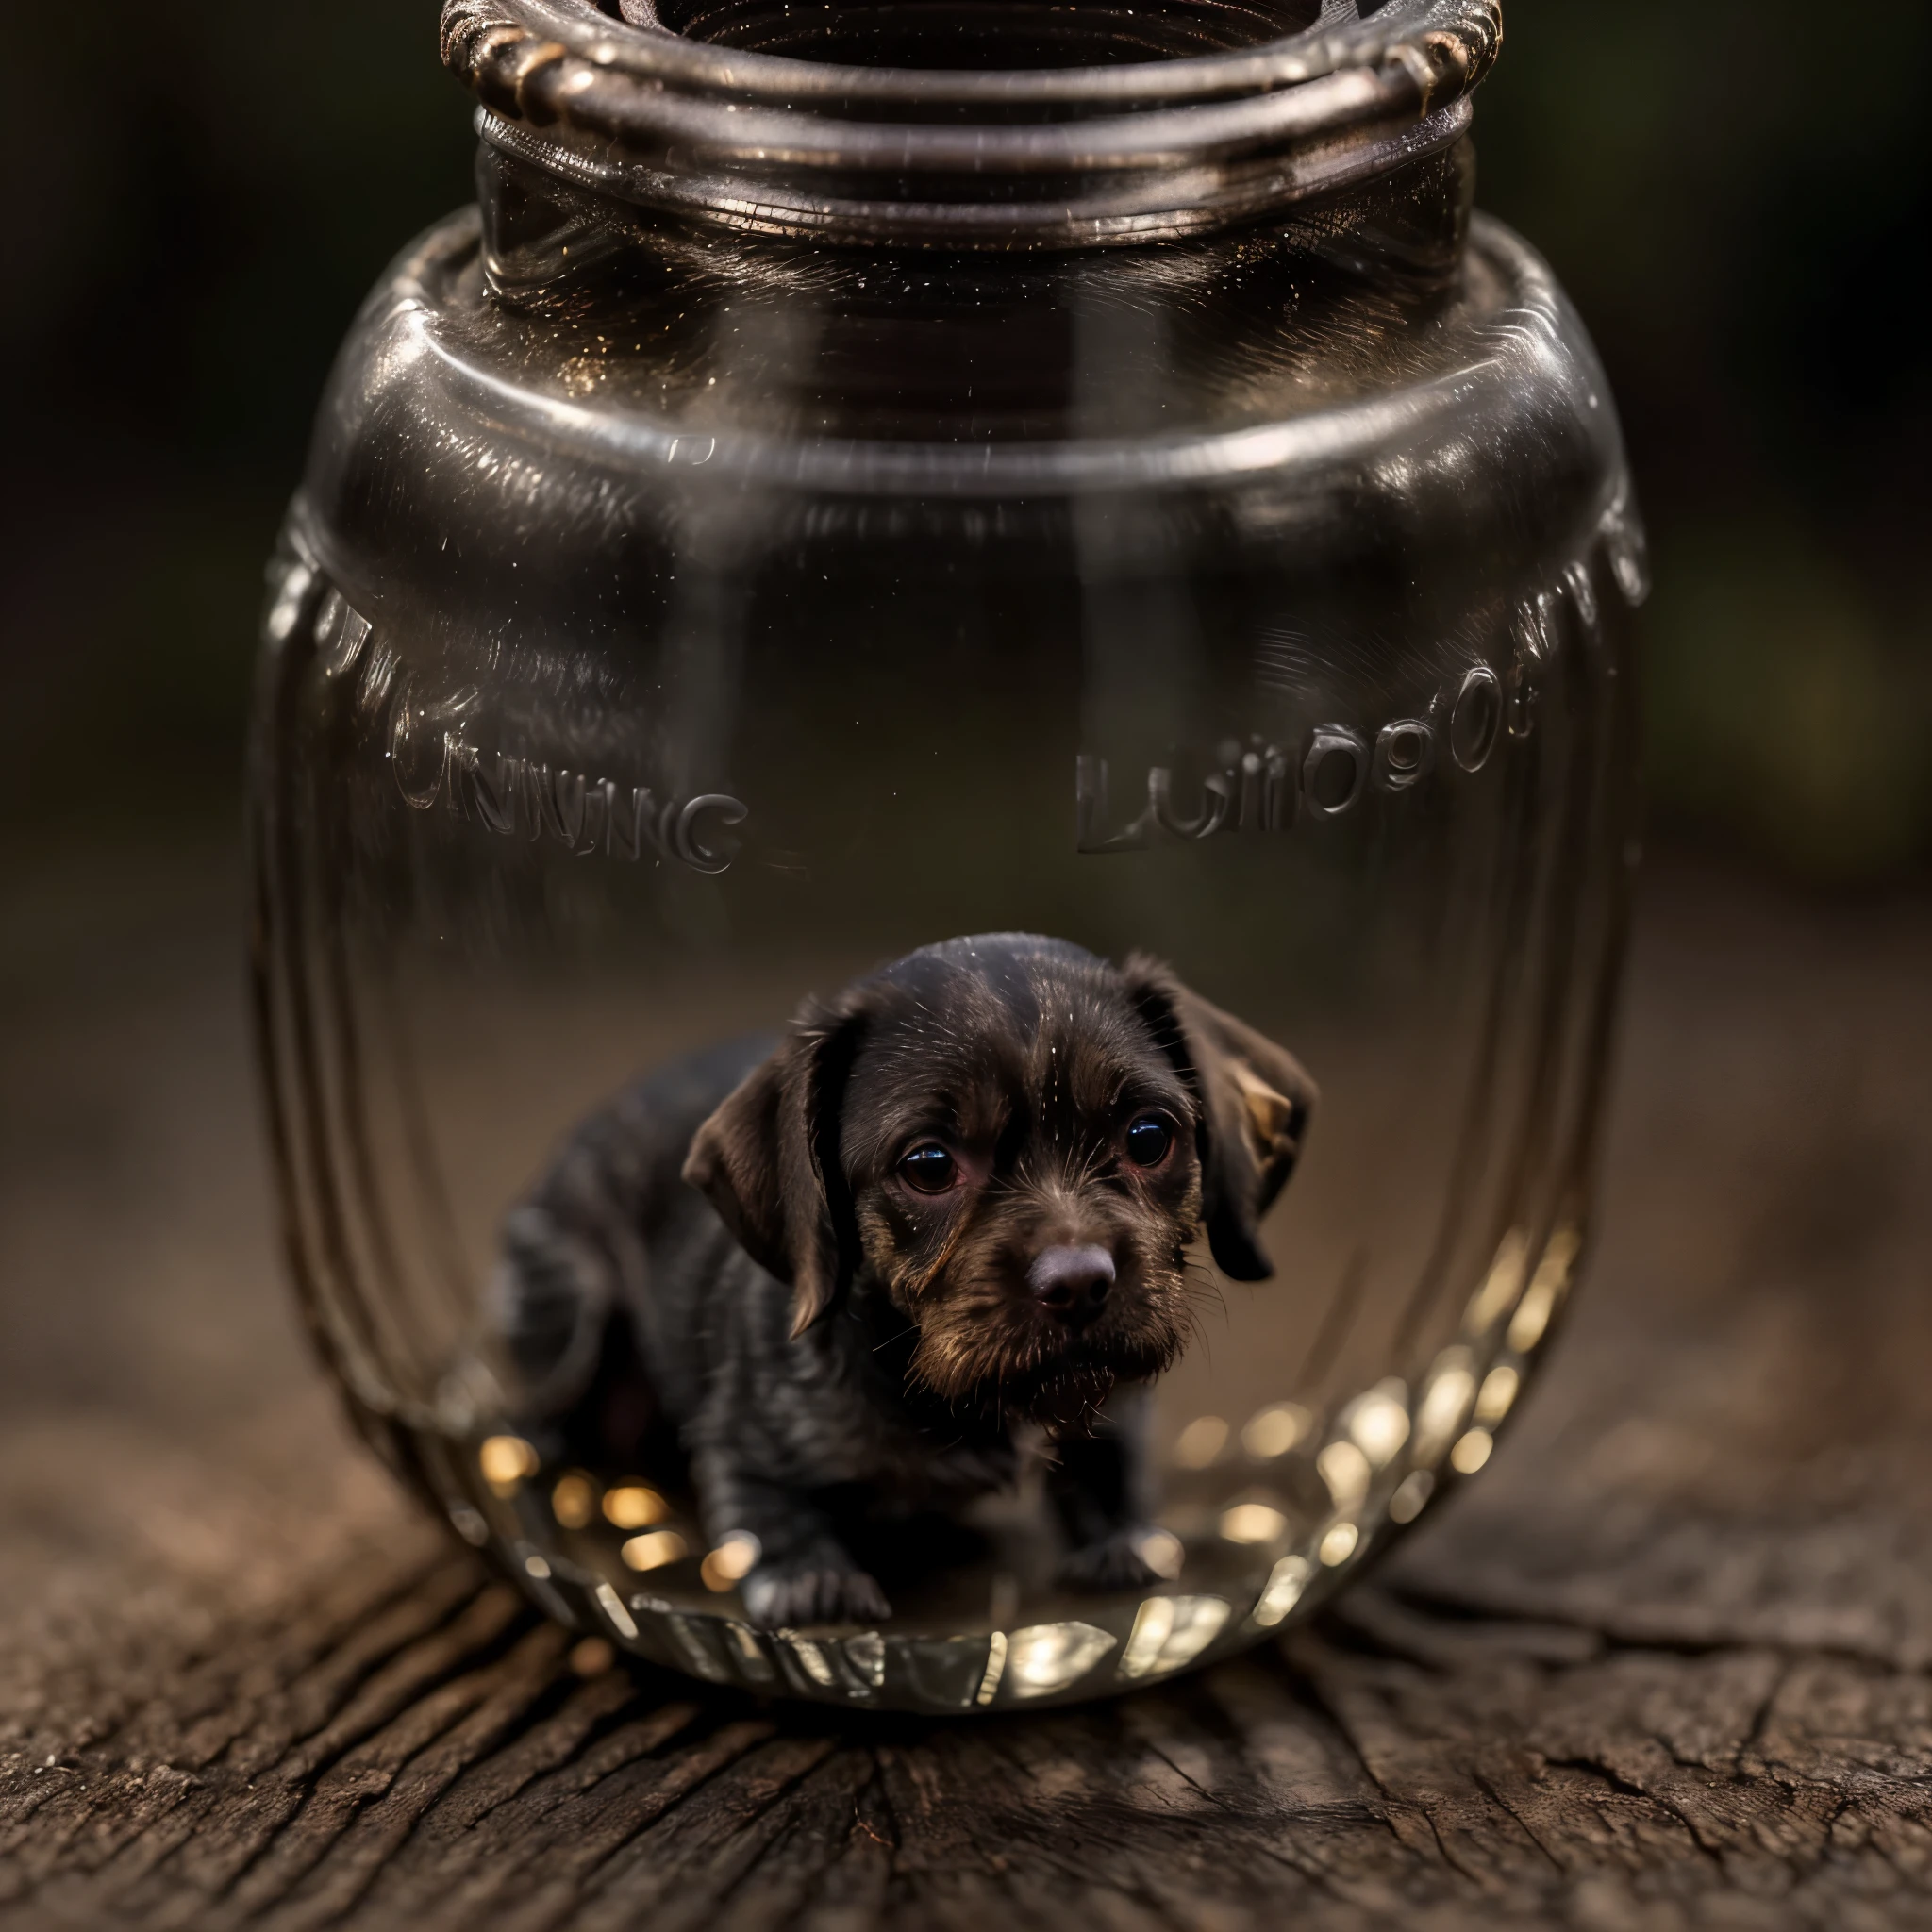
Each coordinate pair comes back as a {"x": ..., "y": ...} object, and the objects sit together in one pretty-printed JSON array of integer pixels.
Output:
[{"x": 1666, "y": 1665}]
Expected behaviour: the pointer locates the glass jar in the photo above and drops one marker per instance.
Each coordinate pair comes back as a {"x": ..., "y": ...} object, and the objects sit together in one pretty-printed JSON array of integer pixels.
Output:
[{"x": 941, "y": 794}]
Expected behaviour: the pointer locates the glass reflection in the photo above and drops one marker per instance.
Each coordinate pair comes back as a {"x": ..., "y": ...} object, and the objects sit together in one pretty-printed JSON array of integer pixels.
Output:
[
  {"x": 573, "y": 1500},
  {"x": 1346, "y": 1470},
  {"x": 1378, "y": 1422},
  {"x": 1046, "y": 1657},
  {"x": 634, "y": 1506},
  {"x": 1444, "y": 1403},
  {"x": 1339, "y": 1543},
  {"x": 1282, "y": 1592},
  {"x": 1169, "y": 1632},
  {"x": 1253, "y": 1522},
  {"x": 1201, "y": 1442},
  {"x": 1498, "y": 1391},
  {"x": 1500, "y": 1286},
  {"x": 612, "y": 1605},
  {"x": 505, "y": 1461},
  {"x": 654, "y": 1549},
  {"x": 1275, "y": 1430}
]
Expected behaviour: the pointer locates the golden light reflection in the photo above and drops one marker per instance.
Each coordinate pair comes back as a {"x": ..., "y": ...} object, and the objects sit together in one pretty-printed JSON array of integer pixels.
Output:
[
  {"x": 811, "y": 1655},
  {"x": 505, "y": 1461},
  {"x": 1282, "y": 1591},
  {"x": 654, "y": 1549},
  {"x": 1411, "y": 1493},
  {"x": 1253, "y": 1522},
  {"x": 1045, "y": 1657},
  {"x": 1339, "y": 1545},
  {"x": 1275, "y": 1430},
  {"x": 996, "y": 1667},
  {"x": 1502, "y": 1284},
  {"x": 1378, "y": 1421},
  {"x": 1162, "y": 1553},
  {"x": 535, "y": 1566},
  {"x": 1540, "y": 1299},
  {"x": 1169, "y": 1632},
  {"x": 1532, "y": 1316},
  {"x": 732, "y": 1561},
  {"x": 1471, "y": 1452},
  {"x": 1445, "y": 1403},
  {"x": 1200, "y": 1442},
  {"x": 1346, "y": 1470},
  {"x": 1498, "y": 1391},
  {"x": 593, "y": 1656},
  {"x": 634, "y": 1506},
  {"x": 573, "y": 1501},
  {"x": 1566, "y": 1243}
]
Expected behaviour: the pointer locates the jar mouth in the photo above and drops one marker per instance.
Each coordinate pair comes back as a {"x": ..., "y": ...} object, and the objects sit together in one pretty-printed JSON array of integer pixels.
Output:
[
  {"x": 975, "y": 35},
  {"x": 1106, "y": 133}
]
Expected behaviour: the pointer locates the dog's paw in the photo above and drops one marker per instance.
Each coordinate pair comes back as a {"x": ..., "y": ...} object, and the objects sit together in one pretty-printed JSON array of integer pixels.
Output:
[
  {"x": 816, "y": 1584},
  {"x": 1119, "y": 1561}
]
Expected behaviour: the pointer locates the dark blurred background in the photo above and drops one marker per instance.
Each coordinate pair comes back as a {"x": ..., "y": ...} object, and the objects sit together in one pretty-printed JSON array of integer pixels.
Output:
[{"x": 1736, "y": 194}]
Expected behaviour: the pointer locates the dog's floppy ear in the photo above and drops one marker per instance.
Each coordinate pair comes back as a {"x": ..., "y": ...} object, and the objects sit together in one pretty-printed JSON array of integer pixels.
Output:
[
  {"x": 1255, "y": 1100},
  {"x": 766, "y": 1159}
]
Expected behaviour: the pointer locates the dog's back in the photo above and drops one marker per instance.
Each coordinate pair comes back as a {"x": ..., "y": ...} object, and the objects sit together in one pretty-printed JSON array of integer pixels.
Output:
[{"x": 613, "y": 1268}]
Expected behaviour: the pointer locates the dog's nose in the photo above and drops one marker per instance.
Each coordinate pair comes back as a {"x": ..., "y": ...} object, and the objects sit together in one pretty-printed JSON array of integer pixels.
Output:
[{"x": 1072, "y": 1282}]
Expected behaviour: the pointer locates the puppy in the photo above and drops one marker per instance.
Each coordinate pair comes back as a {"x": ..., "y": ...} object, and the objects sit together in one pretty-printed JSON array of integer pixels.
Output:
[{"x": 829, "y": 1278}]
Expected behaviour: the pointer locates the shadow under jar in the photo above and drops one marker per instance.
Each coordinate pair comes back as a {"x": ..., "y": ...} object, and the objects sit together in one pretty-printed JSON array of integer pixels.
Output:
[{"x": 1074, "y": 481}]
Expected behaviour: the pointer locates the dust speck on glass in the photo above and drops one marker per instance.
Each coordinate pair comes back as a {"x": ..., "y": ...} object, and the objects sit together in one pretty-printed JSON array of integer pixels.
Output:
[{"x": 941, "y": 792}]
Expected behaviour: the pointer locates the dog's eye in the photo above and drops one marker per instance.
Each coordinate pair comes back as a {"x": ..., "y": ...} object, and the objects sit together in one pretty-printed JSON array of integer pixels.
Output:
[
  {"x": 929, "y": 1168},
  {"x": 1148, "y": 1139}
]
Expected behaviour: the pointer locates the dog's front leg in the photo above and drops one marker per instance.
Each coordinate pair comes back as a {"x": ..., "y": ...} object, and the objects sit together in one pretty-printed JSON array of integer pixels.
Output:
[
  {"x": 1098, "y": 1485},
  {"x": 802, "y": 1573}
]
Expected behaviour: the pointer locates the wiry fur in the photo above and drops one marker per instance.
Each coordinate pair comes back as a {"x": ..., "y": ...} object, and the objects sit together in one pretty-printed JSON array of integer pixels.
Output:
[{"x": 815, "y": 1339}]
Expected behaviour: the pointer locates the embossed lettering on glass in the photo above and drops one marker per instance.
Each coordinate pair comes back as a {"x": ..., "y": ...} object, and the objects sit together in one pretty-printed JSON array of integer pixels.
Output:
[{"x": 941, "y": 792}]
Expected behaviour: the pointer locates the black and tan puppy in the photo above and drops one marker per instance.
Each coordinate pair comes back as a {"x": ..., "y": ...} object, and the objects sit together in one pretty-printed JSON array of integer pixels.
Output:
[{"x": 829, "y": 1278}]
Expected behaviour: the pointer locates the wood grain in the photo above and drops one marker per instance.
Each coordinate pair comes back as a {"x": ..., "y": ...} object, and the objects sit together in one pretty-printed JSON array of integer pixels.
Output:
[{"x": 1665, "y": 1666}]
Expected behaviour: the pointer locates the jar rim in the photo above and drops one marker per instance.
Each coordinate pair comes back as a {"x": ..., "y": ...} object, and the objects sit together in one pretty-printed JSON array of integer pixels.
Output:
[
  {"x": 1054, "y": 157},
  {"x": 526, "y": 40}
]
